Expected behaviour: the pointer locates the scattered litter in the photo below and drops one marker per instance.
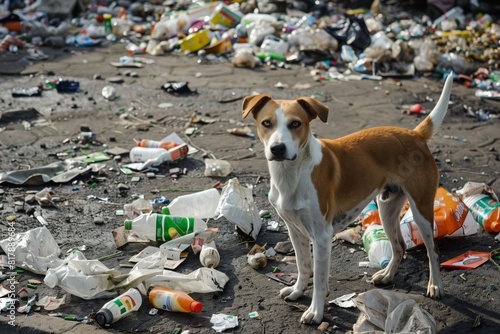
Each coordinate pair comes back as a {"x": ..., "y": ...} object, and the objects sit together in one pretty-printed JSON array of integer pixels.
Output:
[
  {"x": 180, "y": 88},
  {"x": 223, "y": 321},
  {"x": 50, "y": 303},
  {"x": 109, "y": 93},
  {"x": 353, "y": 235},
  {"x": 344, "y": 301},
  {"x": 285, "y": 278},
  {"x": 467, "y": 260}
]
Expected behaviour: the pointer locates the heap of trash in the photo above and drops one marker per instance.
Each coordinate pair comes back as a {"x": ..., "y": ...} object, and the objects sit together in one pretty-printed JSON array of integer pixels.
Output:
[{"x": 366, "y": 43}]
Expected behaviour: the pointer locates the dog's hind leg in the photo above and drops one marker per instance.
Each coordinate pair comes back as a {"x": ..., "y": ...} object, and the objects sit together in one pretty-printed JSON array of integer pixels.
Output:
[
  {"x": 422, "y": 207},
  {"x": 390, "y": 202},
  {"x": 301, "y": 245}
]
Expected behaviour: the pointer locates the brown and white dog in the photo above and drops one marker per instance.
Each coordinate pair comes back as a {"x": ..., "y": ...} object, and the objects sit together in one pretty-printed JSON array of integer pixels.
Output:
[{"x": 319, "y": 186}]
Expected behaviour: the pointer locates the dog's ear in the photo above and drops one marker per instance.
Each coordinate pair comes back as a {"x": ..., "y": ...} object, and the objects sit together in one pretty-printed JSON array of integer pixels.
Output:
[
  {"x": 254, "y": 103},
  {"x": 314, "y": 107}
]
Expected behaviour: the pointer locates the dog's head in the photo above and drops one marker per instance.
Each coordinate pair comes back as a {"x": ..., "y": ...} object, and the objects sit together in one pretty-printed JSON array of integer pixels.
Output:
[{"x": 283, "y": 125}]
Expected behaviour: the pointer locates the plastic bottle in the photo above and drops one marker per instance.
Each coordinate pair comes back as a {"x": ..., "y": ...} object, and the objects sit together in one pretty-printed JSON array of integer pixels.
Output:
[
  {"x": 370, "y": 215},
  {"x": 157, "y": 144},
  {"x": 108, "y": 26},
  {"x": 158, "y": 227},
  {"x": 119, "y": 307},
  {"x": 454, "y": 13},
  {"x": 137, "y": 208},
  {"x": 485, "y": 210},
  {"x": 209, "y": 255},
  {"x": 202, "y": 204},
  {"x": 377, "y": 246},
  {"x": 451, "y": 218},
  {"x": 167, "y": 299}
]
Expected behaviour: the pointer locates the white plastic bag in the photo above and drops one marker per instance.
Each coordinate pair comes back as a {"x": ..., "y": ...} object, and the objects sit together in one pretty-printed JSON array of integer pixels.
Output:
[
  {"x": 35, "y": 250},
  {"x": 237, "y": 205},
  {"x": 87, "y": 279}
]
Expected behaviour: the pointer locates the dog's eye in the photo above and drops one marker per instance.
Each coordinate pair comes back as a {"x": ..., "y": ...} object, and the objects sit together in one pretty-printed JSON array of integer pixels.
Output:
[
  {"x": 266, "y": 123},
  {"x": 295, "y": 124}
]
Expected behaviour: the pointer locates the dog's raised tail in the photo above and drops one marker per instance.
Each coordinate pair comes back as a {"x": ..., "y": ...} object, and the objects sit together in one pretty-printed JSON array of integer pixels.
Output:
[{"x": 431, "y": 123}]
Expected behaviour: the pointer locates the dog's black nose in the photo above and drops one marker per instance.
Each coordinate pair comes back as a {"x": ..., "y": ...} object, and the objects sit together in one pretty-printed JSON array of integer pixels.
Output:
[{"x": 278, "y": 150}]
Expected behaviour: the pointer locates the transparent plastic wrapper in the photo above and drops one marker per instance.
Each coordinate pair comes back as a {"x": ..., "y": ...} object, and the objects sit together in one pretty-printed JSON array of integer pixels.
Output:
[
  {"x": 274, "y": 44},
  {"x": 455, "y": 62},
  {"x": 35, "y": 250},
  {"x": 384, "y": 311},
  {"x": 428, "y": 54},
  {"x": 223, "y": 321},
  {"x": 258, "y": 31},
  {"x": 87, "y": 279},
  {"x": 310, "y": 39},
  {"x": 217, "y": 168},
  {"x": 237, "y": 205}
]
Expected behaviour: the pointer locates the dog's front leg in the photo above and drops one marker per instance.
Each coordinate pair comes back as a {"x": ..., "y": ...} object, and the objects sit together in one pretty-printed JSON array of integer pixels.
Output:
[
  {"x": 321, "y": 256},
  {"x": 301, "y": 245}
]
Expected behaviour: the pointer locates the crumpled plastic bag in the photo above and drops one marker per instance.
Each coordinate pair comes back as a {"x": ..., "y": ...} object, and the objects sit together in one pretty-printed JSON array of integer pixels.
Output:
[
  {"x": 202, "y": 280},
  {"x": 385, "y": 311},
  {"x": 237, "y": 205},
  {"x": 87, "y": 279},
  {"x": 35, "y": 250}
]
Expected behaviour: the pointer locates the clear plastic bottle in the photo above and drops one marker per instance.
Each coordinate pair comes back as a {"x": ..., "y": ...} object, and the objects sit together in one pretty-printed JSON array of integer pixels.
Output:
[
  {"x": 209, "y": 255},
  {"x": 119, "y": 307},
  {"x": 137, "y": 208},
  {"x": 158, "y": 227},
  {"x": 167, "y": 299},
  {"x": 485, "y": 210},
  {"x": 377, "y": 246},
  {"x": 156, "y": 144},
  {"x": 370, "y": 215},
  {"x": 202, "y": 204}
]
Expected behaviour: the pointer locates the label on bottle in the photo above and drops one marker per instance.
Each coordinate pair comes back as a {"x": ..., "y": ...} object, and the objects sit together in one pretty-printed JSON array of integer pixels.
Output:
[
  {"x": 376, "y": 234},
  {"x": 482, "y": 208},
  {"x": 125, "y": 303},
  {"x": 171, "y": 227}
]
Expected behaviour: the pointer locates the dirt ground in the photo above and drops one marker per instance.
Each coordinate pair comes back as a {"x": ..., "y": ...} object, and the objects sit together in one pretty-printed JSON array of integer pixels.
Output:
[{"x": 471, "y": 302}]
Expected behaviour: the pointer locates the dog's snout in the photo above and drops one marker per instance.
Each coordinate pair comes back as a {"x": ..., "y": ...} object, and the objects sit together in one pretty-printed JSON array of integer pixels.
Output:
[{"x": 278, "y": 150}]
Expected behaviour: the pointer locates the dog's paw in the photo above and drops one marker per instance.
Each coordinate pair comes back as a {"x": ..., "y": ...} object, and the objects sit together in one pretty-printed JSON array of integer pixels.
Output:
[
  {"x": 382, "y": 277},
  {"x": 291, "y": 293},
  {"x": 312, "y": 316},
  {"x": 434, "y": 291}
]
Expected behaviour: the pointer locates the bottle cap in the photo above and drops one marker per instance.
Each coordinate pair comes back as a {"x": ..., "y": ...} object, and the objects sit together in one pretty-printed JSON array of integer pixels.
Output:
[
  {"x": 165, "y": 210},
  {"x": 103, "y": 317},
  {"x": 128, "y": 224},
  {"x": 495, "y": 226},
  {"x": 196, "y": 306},
  {"x": 384, "y": 263}
]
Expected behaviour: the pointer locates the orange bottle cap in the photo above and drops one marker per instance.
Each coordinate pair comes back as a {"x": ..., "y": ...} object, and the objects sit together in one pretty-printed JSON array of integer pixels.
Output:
[
  {"x": 495, "y": 226},
  {"x": 196, "y": 306}
]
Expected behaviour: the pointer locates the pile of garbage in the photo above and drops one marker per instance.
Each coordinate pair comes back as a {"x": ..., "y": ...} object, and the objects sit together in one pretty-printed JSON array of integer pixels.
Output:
[{"x": 376, "y": 42}]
